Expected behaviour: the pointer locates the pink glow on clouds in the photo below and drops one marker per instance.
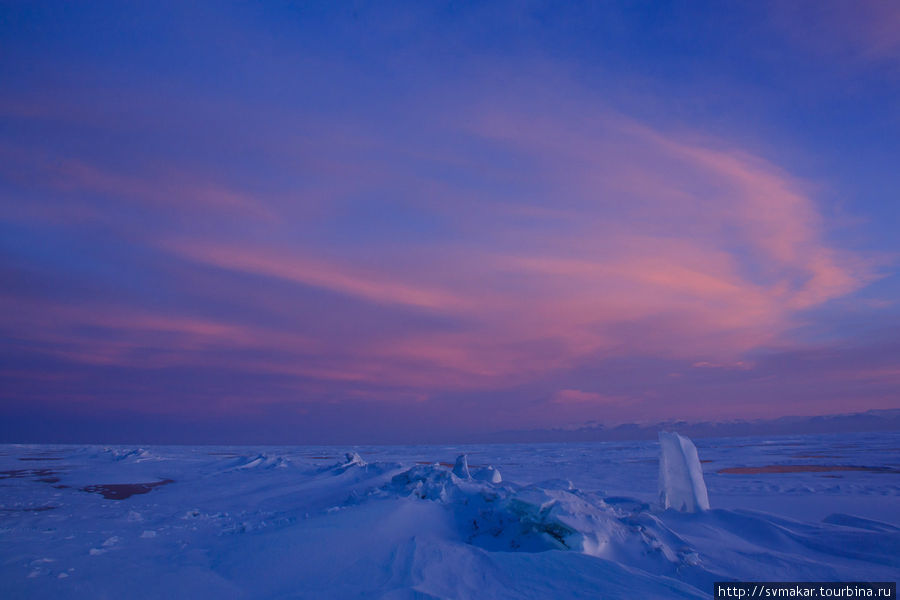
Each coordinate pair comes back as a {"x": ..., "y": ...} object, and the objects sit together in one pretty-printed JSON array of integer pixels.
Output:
[
  {"x": 157, "y": 188},
  {"x": 660, "y": 246},
  {"x": 670, "y": 257},
  {"x": 353, "y": 281},
  {"x": 382, "y": 220},
  {"x": 580, "y": 397},
  {"x": 859, "y": 31},
  {"x": 600, "y": 238}
]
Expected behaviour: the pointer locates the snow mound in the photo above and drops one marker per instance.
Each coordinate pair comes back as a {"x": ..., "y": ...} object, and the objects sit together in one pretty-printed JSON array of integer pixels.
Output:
[
  {"x": 859, "y": 523},
  {"x": 681, "y": 484}
]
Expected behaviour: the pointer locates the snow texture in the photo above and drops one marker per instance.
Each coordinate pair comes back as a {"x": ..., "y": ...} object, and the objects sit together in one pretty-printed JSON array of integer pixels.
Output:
[
  {"x": 681, "y": 484},
  {"x": 565, "y": 521}
]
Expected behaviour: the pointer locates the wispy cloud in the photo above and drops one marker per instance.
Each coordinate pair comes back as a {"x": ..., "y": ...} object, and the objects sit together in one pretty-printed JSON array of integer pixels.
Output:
[
  {"x": 290, "y": 266},
  {"x": 505, "y": 243},
  {"x": 678, "y": 246}
]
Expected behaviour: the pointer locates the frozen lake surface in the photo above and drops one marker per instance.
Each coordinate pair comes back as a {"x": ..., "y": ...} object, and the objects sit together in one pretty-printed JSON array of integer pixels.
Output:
[{"x": 566, "y": 520}]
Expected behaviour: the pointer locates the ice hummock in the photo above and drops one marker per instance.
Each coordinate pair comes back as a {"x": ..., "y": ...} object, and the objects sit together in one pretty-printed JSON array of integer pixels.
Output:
[
  {"x": 351, "y": 460},
  {"x": 681, "y": 484},
  {"x": 261, "y": 461},
  {"x": 461, "y": 468},
  {"x": 488, "y": 473}
]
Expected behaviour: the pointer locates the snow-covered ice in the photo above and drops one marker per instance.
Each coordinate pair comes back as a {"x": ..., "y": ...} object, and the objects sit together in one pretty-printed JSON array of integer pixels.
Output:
[
  {"x": 681, "y": 484},
  {"x": 564, "y": 520}
]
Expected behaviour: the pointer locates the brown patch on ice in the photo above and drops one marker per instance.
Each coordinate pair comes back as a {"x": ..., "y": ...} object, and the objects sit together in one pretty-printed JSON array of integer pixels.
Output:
[
  {"x": 816, "y": 455},
  {"x": 803, "y": 469},
  {"x": 121, "y": 491}
]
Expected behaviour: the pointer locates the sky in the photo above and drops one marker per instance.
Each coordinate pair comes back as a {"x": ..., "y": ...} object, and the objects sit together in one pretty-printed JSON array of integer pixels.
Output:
[{"x": 317, "y": 222}]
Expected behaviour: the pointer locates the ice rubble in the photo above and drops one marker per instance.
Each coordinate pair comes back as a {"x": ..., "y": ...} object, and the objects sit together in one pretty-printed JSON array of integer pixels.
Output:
[
  {"x": 126, "y": 454},
  {"x": 681, "y": 484},
  {"x": 548, "y": 515}
]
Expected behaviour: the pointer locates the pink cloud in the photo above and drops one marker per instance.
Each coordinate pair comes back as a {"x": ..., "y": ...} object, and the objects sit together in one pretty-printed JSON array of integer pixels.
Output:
[
  {"x": 351, "y": 280},
  {"x": 110, "y": 334},
  {"x": 868, "y": 30},
  {"x": 659, "y": 245},
  {"x": 582, "y": 397},
  {"x": 626, "y": 240},
  {"x": 160, "y": 187}
]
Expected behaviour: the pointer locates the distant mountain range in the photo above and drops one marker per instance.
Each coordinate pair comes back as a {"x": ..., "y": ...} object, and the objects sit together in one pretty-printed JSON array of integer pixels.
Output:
[{"x": 873, "y": 420}]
